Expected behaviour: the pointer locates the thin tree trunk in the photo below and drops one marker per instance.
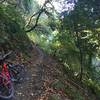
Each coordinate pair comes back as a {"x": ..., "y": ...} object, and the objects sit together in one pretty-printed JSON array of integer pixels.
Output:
[
  {"x": 90, "y": 60},
  {"x": 81, "y": 64}
]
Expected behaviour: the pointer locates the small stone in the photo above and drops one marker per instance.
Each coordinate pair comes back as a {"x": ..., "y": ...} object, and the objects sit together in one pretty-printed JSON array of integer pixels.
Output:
[
  {"x": 19, "y": 93},
  {"x": 34, "y": 75},
  {"x": 32, "y": 94}
]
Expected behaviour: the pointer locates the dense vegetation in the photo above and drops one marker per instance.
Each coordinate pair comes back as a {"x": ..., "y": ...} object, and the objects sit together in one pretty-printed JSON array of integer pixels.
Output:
[{"x": 72, "y": 37}]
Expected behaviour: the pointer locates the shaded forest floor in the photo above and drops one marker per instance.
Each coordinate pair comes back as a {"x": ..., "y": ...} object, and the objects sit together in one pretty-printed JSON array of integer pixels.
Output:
[
  {"x": 40, "y": 73},
  {"x": 41, "y": 80}
]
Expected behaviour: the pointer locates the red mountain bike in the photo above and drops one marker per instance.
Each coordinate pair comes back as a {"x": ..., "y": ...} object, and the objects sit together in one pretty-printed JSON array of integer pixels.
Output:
[{"x": 9, "y": 73}]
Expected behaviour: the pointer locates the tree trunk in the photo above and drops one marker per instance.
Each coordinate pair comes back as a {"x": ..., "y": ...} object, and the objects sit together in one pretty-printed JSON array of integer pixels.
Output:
[
  {"x": 81, "y": 64},
  {"x": 90, "y": 60}
]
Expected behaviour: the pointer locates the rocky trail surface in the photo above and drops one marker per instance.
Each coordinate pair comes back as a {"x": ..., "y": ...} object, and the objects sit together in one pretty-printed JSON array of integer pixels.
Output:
[{"x": 39, "y": 74}]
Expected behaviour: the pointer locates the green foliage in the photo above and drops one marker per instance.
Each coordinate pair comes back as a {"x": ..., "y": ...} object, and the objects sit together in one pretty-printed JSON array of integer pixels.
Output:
[
  {"x": 72, "y": 92},
  {"x": 54, "y": 97},
  {"x": 11, "y": 28},
  {"x": 74, "y": 39},
  {"x": 81, "y": 25}
]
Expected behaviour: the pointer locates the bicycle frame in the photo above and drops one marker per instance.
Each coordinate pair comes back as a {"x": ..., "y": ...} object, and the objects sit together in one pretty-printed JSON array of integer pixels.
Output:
[
  {"x": 5, "y": 71},
  {"x": 6, "y": 86}
]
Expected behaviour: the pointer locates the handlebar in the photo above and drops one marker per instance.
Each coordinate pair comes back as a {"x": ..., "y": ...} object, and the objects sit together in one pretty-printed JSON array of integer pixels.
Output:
[{"x": 2, "y": 58}]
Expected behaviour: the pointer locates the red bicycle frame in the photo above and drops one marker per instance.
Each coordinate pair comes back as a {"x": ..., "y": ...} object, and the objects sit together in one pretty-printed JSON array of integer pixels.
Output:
[{"x": 5, "y": 72}]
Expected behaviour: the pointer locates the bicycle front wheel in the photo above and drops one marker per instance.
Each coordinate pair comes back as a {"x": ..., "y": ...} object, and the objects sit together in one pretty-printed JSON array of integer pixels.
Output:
[
  {"x": 17, "y": 73},
  {"x": 6, "y": 88}
]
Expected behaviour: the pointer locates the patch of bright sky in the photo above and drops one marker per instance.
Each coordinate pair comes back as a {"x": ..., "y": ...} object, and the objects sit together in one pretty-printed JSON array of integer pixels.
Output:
[
  {"x": 61, "y": 5},
  {"x": 40, "y": 2}
]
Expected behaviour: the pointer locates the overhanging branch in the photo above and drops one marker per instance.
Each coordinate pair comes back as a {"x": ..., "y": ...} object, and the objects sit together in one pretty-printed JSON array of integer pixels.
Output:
[
  {"x": 37, "y": 19},
  {"x": 38, "y": 16}
]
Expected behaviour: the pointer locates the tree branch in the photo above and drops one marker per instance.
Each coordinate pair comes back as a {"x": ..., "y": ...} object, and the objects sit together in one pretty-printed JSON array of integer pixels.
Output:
[
  {"x": 32, "y": 17},
  {"x": 39, "y": 14},
  {"x": 37, "y": 19}
]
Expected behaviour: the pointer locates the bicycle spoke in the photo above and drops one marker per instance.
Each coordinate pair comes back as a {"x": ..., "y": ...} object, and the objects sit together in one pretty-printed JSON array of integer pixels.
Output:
[{"x": 16, "y": 72}]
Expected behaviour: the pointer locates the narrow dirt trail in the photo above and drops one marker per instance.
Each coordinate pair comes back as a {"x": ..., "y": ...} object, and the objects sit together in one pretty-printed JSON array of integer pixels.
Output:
[
  {"x": 32, "y": 84},
  {"x": 38, "y": 75},
  {"x": 41, "y": 71}
]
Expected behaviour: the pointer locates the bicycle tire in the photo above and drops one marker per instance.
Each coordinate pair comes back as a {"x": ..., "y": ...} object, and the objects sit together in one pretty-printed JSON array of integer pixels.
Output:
[
  {"x": 6, "y": 88},
  {"x": 17, "y": 72}
]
